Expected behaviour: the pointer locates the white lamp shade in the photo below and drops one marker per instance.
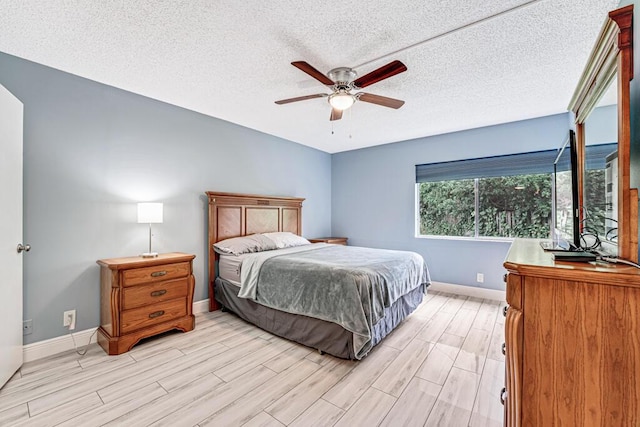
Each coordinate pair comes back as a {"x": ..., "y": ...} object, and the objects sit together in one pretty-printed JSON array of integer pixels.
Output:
[{"x": 150, "y": 213}]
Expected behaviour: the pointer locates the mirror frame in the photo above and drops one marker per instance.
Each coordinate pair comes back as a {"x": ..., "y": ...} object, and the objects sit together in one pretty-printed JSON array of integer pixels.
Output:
[{"x": 612, "y": 53}]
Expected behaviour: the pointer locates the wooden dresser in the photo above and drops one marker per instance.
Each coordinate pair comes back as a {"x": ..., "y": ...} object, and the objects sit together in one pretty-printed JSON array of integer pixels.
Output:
[
  {"x": 572, "y": 335},
  {"x": 334, "y": 240},
  {"x": 141, "y": 297}
]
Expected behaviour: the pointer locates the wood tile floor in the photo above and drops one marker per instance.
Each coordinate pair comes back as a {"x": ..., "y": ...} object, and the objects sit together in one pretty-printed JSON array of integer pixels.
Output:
[{"x": 441, "y": 367}]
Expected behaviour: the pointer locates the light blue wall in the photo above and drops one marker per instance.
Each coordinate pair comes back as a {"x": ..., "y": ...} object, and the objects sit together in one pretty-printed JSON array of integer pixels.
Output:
[
  {"x": 92, "y": 151},
  {"x": 373, "y": 194}
]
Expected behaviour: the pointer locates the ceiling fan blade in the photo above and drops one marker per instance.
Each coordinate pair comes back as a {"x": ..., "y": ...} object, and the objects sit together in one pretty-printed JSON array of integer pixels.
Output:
[
  {"x": 380, "y": 100},
  {"x": 301, "y": 98},
  {"x": 313, "y": 72},
  {"x": 335, "y": 114},
  {"x": 384, "y": 72}
]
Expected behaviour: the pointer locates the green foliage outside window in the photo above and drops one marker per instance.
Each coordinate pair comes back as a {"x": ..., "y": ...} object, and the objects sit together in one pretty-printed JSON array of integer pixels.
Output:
[
  {"x": 447, "y": 208},
  {"x": 515, "y": 206},
  {"x": 512, "y": 206}
]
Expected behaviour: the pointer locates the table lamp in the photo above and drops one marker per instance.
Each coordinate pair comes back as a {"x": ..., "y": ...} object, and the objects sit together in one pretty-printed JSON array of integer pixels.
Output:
[{"x": 149, "y": 213}]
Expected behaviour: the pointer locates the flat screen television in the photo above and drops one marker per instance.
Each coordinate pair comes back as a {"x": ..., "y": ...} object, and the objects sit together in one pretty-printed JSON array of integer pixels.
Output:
[{"x": 565, "y": 209}]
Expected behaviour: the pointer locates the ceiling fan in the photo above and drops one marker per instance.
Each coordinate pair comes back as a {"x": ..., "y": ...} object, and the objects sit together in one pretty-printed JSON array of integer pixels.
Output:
[{"x": 343, "y": 81}]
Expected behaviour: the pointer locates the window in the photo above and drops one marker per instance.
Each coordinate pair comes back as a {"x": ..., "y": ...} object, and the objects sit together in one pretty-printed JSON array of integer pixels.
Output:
[
  {"x": 512, "y": 206},
  {"x": 503, "y": 196}
]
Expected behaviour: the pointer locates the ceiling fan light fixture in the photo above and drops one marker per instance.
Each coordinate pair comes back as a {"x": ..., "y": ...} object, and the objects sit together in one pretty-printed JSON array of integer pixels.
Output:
[{"x": 341, "y": 100}]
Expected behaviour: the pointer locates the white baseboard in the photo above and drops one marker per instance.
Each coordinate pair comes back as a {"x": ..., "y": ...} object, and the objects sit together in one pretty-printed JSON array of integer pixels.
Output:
[
  {"x": 469, "y": 291},
  {"x": 201, "y": 306},
  {"x": 46, "y": 348}
]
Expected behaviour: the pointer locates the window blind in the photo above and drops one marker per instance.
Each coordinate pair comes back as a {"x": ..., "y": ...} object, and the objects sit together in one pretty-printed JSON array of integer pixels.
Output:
[
  {"x": 486, "y": 167},
  {"x": 510, "y": 164},
  {"x": 596, "y": 155}
]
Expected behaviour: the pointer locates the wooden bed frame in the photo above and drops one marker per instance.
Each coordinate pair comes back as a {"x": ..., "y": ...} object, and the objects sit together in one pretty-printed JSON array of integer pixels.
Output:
[{"x": 235, "y": 215}]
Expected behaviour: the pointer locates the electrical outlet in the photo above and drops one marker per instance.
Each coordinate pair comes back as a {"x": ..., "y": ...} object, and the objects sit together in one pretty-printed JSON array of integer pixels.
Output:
[
  {"x": 69, "y": 319},
  {"x": 27, "y": 327},
  {"x": 480, "y": 278}
]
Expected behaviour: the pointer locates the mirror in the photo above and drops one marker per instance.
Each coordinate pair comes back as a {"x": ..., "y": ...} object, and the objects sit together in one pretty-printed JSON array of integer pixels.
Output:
[
  {"x": 599, "y": 216},
  {"x": 609, "y": 214}
]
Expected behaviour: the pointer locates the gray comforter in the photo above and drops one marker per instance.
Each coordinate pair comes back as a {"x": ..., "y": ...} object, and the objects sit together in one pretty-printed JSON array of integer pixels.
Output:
[{"x": 347, "y": 285}]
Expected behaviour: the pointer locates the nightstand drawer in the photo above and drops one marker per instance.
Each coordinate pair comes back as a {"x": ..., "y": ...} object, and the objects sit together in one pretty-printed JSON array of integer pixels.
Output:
[
  {"x": 136, "y": 296},
  {"x": 156, "y": 273},
  {"x": 150, "y": 315}
]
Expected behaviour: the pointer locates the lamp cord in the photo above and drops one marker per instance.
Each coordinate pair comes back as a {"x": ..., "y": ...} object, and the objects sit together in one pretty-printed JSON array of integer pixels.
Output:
[{"x": 75, "y": 346}]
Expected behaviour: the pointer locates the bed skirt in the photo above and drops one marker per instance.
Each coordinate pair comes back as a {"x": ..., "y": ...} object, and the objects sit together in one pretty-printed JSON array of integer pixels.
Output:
[{"x": 324, "y": 336}]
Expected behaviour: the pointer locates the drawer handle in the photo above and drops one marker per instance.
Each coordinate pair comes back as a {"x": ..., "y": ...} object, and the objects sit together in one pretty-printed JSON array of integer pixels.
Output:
[
  {"x": 158, "y": 273},
  {"x": 504, "y": 278},
  {"x": 503, "y": 396},
  {"x": 158, "y": 293},
  {"x": 504, "y": 310},
  {"x": 504, "y": 349},
  {"x": 156, "y": 314}
]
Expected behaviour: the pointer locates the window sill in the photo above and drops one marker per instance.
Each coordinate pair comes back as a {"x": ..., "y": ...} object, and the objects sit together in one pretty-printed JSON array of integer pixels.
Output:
[{"x": 468, "y": 239}]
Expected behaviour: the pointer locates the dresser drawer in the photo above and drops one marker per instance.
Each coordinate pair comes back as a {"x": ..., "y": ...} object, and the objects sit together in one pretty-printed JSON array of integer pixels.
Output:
[
  {"x": 155, "y": 274},
  {"x": 138, "y": 318},
  {"x": 137, "y": 296}
]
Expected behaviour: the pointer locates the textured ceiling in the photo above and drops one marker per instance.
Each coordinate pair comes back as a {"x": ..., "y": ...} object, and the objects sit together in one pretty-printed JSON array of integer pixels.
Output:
[{"x": 231, "y": 59}]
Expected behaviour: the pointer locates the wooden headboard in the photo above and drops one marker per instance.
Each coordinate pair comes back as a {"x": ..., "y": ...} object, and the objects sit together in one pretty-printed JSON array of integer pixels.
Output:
[{"x": 234, "y": 215}]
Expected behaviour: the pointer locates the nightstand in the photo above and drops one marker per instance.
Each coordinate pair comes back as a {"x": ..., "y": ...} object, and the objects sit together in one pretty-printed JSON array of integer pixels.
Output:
[
  {"x": 334, "y": 240},
  {"x": 141, "y": 297}
]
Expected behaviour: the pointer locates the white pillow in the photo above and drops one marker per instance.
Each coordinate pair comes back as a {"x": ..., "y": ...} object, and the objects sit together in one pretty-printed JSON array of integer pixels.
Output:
[
  {"x": 245, "y": 244},
  {"x": 285, "y": 239}
]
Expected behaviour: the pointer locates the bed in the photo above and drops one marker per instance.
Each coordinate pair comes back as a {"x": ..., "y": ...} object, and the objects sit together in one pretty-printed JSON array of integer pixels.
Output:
[{"x": 283, "y": 289}]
